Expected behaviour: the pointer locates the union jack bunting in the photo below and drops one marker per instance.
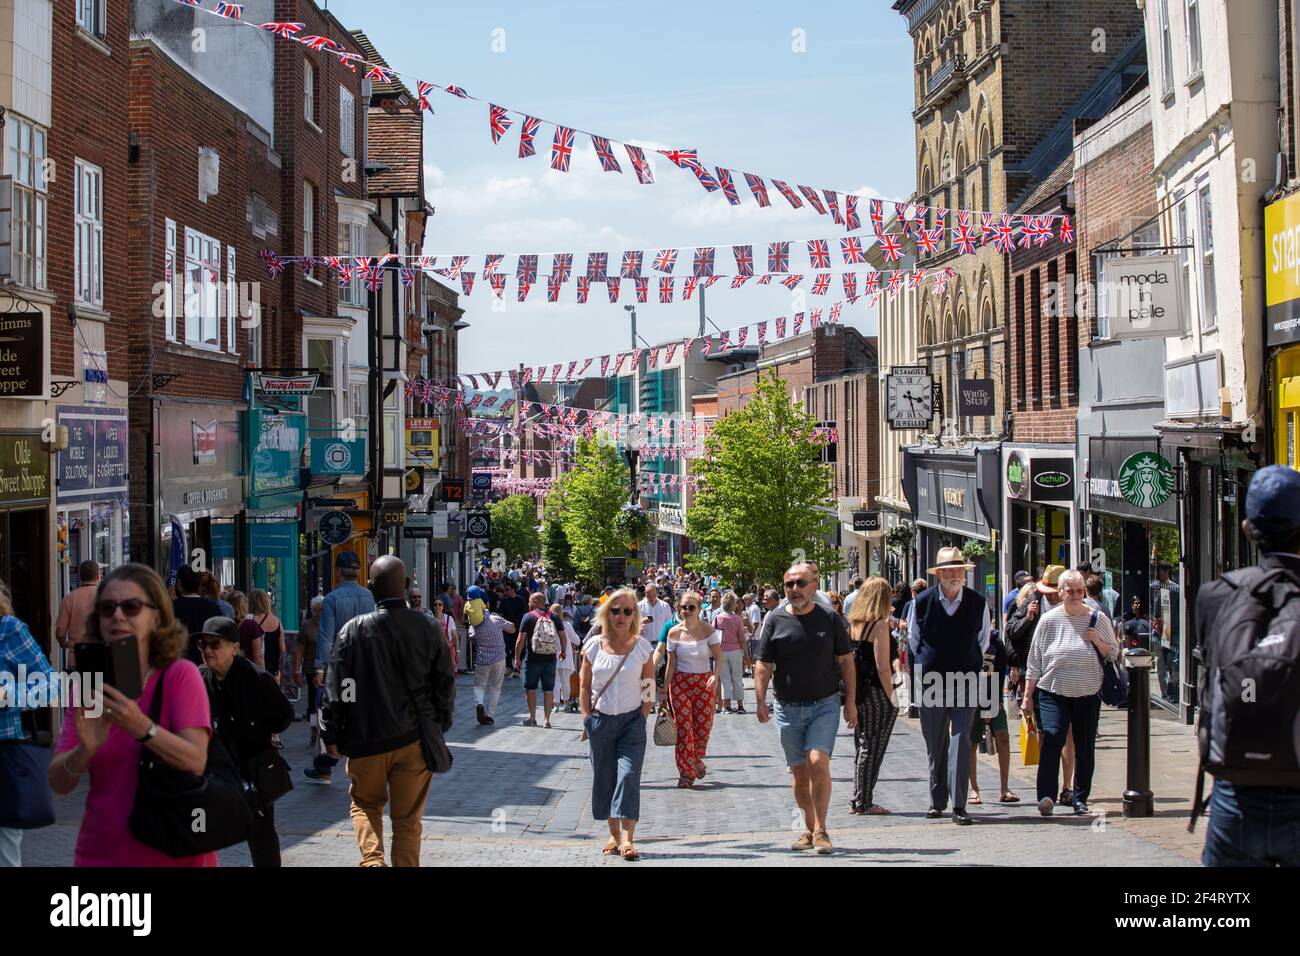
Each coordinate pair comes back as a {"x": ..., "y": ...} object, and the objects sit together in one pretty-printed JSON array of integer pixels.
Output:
[
  {"x": 703, "y": 262},
  {"x": 466, "y": 282},
  {"x": 491, "y": 261},
  {"x": 915, "y": 278},
  {"x": 597, "y": 266},
  {"x": 821, "y": 283},
  {"x": 965, "y": 239},
  {"x": 424, "y": 89},
  {"x": 778, "y": 257},
  {"x": 851, "y": 220},
  {"x": 710, "y": 280},
  {"x": 876, "y": 213},
  {"x": 833, "y": 204},
  {"x": 283, "y": 28},
  {"x": 895, "y": 280},
  {"x": 498, "y": 121},
  {"x": 584, "y": 287},
  {"x": 606, "y": 155},
  {"x": 851, "y": 250},
  {"x": 872, "y": 284},
  {"x": 231, "y": 11},
  {"x": 347, "y": 58},
  {"x": 455, "y": 90},
  {"x": 1043, "y": 231},
  {"x": 374, "y": 279},
  {"x": 765, "y": 279},
  {"x": 927, "y": 240},
  {"x": 728, "y": 186},
  {"x": 798, "y": 323},
  {"x": 618, "y": 366},
  {"x": 562, "y": 265},
  {"x": 1028, "y": 229},
  {"x": 274, "y": 265},
  {"x": 498, "y": 282},
  {"x": 458, "y": 264},
  {"x": 788, "y": 193},
  {"x": 744, "y": 260},
  {"x": 528, "y": 136},
  {"x": 379, "y": 74},
  {"x": 940, "y": 281},
  {"x": 835, "y": 311},
  {"x": 636, "y": 357},
  {"x": 526, "y": 269},
  {"x": 758, "y": 188},
  {"x": 725, "y": 342},
  {"x": 814, "y": 200},
  {"x": 1067, "y": 230},
  {"x": 604, "y": 366},
  {"x": 904, "y": 219},
  {"x": 631, "y": 267},
  {"x": 665, "y": 260},
  {"x": 688, "y": 287},
  {"x": 890, "y": 247},
  {"x": 683, "y": 158},
  {"x": 318, "y": 43},
  {"x": 332, "y": 262},
  {"x": 672, "y": 350},
  {"x": 525, "y": 286},
  {"x": 585, "y": 365},
  {"x": 562, "y": 149},
  {"x": 666, "y": 289},
  {"x": 792, "y": 280},
  {"x": 1004, "y": 239},
  {"x": 762, "y": 333},
  {"x": 850, "y": 284},
  {"x": 738, "y": 281},
  {"x": 819, "y": 256},
  {"x": 642, "y": 286},
  {"x": 641, "y": 165},
  {"x": 653, "y": 363},
  {"x": 555, "y": 372},
  {"x": 611, "y": 286},
  {"x": 814, "y": 318},
  {"x": 553, "y": 283},
  {"x": 987, "y": 227},
  {"x": 408, "y": 277}
]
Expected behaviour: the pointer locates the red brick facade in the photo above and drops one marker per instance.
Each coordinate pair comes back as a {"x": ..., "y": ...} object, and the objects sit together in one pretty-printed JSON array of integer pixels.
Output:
[{"x": 1044, "y": 346}]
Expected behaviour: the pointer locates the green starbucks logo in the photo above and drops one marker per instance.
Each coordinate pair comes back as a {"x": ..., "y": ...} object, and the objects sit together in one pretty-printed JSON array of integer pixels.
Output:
[{"x": 1146, "y": 480}]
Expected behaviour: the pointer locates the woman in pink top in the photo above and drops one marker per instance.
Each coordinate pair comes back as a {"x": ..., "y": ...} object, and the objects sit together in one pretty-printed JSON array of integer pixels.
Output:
[
  {"x": 132, "y": 601},
  {"x": 735, "y": 654}
]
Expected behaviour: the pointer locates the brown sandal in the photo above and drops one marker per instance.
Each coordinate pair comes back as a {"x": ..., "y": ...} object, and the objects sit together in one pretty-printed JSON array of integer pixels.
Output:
[
  {"x": 611, "y": 848},
  {"x": 685, "y": 783},
  {"x": 630, "y": 854}
]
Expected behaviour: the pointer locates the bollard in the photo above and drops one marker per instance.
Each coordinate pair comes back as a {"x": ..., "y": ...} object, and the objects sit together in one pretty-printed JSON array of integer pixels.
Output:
[{"x": 1138, "y": 799}]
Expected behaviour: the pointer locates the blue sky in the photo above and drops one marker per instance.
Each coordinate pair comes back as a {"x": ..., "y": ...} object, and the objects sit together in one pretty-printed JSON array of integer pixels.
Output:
[{"x": 723, "y": 78}]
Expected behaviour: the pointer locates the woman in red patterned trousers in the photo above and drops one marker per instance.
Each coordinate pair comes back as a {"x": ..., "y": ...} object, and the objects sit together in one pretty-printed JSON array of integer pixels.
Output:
[{"x": 692, "y": 646}]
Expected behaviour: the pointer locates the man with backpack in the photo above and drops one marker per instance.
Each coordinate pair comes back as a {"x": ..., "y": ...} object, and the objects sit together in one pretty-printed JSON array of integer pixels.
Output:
[
  {"x": 1248, "y": 642},
  {"x": 541, "y": 633}
]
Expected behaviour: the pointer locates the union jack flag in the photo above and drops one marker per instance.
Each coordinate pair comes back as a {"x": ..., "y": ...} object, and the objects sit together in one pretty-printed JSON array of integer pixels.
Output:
[
  {"x": 788, "y": 193},
  {"x": 665, "y": 260},
  {"x": 345, "y": 274},
  {"x": 422, "y": 94},
  {"x": 381, "y": 74},
  {"x": 455, "y": 90},
  {"x": 498, "y": 282},
  {"x": 631, "y": 267},
  {"x": 527, "y": 135},
  {"x": 703, "y": 262},
  {"x": 1028, "y": 230},
  {"x": 851, "y": 250},
  {"x": 833, "y": 204},
  {"x": 604, "y": 365},
  {"x": 927, "y": 240},
  {"x": 611, "y": 286},
  {"x": 778, "y": 257},
  {"x": 850, "y": 284},
  {"x": 965, "y": 239},
  {"x": 904, "y": 218},
  {"x": 408, "y": 276},
  {"x": 710, "y": 280},
  {"x": 666, "y": 289},
  {"x": 728, "y": 186},
  {"x": 525, "y": 286},
  {"x": 765, "y": 279},
  {"x": 851, "y": 220},
  {"x": 1043, "y": 235},
  {"x": 491, "y": 261},
  {"x": 644, "y": 174},
  {"x": 744, "y": 260},
  {"x": 758, "y": 188},
  {"x": 498, "y": 121},
  {"x": 707, "y": 181},
  {"x": 562, "y": 148},
  {"x": 780, "y": 327},
  {"x": 274, "y": 265},
  {"x": 821, "y": 283},
  {"x": 987, "y": 227},
  {"x": 683, "y": 158},
  {"x": 895, "y": 280},
  {"x": 1004, "y": 235},
  {"x": 467, "y": 282},
  {"x": 798, "y": 323},
  {"x": 835, "y": 311},
  {"x": 606, "y": 155},
  {"x": 688, "y": 287},
  {"x": 819, "y": 256},
  {"x": 761, "y": 328},
  {"x": 584, "y": 287},
  {"x": 597, "y": 266},
  {"x": 814, "y": 318},
  {"x": 876, "y": 213},
  {"x": 553, "y": 283},
  {"x": 738, "y": 281},
  {"x": 231, "y": 11},
  {"x": 915, "y": 278},
  {"x": 814, "y": 200},
  {"x": 318, "y": 43},
  {"x": 374, "y": 279},
  {"x": 283, "y": 28},
  {"x": 642, "y": 285},
  {"x": 1067, "y": 230},
  {"x": 890, "y": 247},
  {"x": 526, "y": 268},
  {"x": 562, "y": 265},
  {"x": 792, "y": 280},
  {"x": 941, "y": 280},
  {"x": 872, "y": 285}
]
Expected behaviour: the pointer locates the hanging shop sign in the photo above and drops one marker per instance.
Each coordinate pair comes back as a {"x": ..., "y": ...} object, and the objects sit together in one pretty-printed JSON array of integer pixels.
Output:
[
  {"x": 22, "y": 351},
  {"x": 866, "y": 521},
  {"x": 93, "y": 466},
  {"x": 422, "y": 441},
  {"x": 975, "y": 397},
  {"x": 478, "y": 524},
  {"x": 1282, "y": 273},
  {"x": 1017, "y": 475},
  {"x": 275, "y": 442},
  {"x": 1051, "y": 479},
  {"x": 24, "y": 469},
  {"x": 303, "y": 385},
  {"x": 392, "y": 516},
  {"x": 273, "y": 539},
  {"x": 337, "y": 456},
  {"x": 1144, "y": 297},
  {"x": 453, "y": 489},
  {"x": 908, "y": 397},
  {"x": 335, "y": 527},
  {"x": 1115, "y": 464},
  {"x": 1146, "y": 480}
]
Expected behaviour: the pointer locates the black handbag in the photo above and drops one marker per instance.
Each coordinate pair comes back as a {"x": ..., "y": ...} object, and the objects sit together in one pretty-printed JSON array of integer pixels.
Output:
[
  {"x": 26, "y": 801},
  {"x": 432, "y": 744},
  {"x": 268, "y": 772},
  {"x": 185, "y": 814},
  {"x": 1114, "y": 682}
]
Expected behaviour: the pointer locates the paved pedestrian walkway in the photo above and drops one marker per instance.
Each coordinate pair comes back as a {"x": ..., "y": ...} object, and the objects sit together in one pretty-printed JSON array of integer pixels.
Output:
[{"x": 520, "y": 796}]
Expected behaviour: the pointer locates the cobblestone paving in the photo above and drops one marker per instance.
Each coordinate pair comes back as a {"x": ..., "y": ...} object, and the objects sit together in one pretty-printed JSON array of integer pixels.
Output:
[{"x": 520, "y": 796}]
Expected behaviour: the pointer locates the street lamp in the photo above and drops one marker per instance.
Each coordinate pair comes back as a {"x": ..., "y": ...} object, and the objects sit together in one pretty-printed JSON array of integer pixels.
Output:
[
  {"x": 632, "y": 451},
  {"x": 631, "y": 310}
]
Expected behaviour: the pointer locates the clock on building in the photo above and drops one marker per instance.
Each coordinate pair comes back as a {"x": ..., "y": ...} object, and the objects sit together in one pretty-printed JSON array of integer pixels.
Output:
[{"x": 908, "y": 397}]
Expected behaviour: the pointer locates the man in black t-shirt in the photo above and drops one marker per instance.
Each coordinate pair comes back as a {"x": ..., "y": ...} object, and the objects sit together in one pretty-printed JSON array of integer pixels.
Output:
[
  {"x": 539, "y": 667},
  {"x": 804, "y": 652},
  {"x": 513, "y": 608}
]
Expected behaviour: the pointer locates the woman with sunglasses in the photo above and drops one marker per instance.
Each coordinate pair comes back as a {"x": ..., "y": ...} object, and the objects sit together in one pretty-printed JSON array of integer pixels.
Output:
[
  {"x": 133, "y": 602},
  {"x": 693, "y": 646},
  {"x": 617, "y": 696},
  {"x": 441, "y": 615}
]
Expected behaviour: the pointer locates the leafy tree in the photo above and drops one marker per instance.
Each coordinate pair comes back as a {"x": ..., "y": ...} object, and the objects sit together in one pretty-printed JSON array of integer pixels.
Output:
[
  {"x": 763, "y": 492},
  {"x": 586, "y": 502},
  {"x": 514, "y": 526},
  {"x": 556, "y": 550}
]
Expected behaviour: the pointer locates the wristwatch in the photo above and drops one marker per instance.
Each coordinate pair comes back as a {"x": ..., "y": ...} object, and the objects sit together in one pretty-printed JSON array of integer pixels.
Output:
[{"x": 149, "y": 734}]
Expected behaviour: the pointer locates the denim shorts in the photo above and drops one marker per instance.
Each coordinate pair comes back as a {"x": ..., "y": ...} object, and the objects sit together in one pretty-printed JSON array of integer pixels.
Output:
[
  {"x": 805, "y": 727},
  {"x": 539, "y": 670}
]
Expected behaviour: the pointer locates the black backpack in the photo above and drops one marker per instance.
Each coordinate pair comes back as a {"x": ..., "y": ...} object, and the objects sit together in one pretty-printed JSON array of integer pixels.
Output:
[{"x": 1249, "y": 684}]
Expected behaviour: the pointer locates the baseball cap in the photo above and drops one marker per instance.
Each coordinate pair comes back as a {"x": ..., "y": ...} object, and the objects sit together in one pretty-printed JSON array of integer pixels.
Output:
[
  {"x": 347, "y": 560},
  {"x": 1022, "y": 577},
  {"x": 222, "y": 627},
  {"x": 475, "y": 594},
  {"x": 1273, "y": 500}
]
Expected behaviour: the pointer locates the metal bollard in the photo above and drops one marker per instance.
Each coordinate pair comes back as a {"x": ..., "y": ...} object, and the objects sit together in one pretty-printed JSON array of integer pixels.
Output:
[{"x": 1138, "y": 799}]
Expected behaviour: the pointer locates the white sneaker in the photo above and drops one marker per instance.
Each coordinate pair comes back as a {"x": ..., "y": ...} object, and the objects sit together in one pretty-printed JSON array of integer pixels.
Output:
[{"x": 1045, "y": 806}]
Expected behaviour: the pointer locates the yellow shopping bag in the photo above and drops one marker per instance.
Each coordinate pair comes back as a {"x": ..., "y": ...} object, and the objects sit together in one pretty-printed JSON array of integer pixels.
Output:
[{"x": 1028, "y": 742}]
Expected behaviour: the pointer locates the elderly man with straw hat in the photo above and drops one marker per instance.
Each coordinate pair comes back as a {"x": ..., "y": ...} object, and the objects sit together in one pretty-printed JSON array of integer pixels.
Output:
[{"x": 947, "y": 634}]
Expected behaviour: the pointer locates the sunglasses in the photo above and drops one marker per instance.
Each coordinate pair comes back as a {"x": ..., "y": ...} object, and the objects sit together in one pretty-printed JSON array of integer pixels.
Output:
[
  {"x": 130, "y": 607},
  {"x": 617, "y": 611},
  {"x": 210, "y": 643},
  {"x": 799, "y": 583},
  {"x": 690, "y": 607}
]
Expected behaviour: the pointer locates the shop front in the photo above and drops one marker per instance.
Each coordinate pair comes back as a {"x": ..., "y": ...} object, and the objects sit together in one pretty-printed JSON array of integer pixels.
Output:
[
  {"x": 275, "y": 443},
  {"x": 25, "y": 530},
  {"x": 670, "y": 543},
  {"x": 91, "y": 493},
  {"x": 860, "y": 541},
  {"x": 1282, "y": 326},
  {"x": 341, "y": 521},
  {"x": 201, "y": 490},
  {"x": 1040, "y": 518},
  {"x": 955, "y": 495}
]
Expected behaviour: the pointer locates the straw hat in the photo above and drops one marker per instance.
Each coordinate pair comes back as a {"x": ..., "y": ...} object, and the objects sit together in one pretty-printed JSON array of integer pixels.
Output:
[
  {"x": 1050, "y": 582},
  {"x": 951, "y": 558}
]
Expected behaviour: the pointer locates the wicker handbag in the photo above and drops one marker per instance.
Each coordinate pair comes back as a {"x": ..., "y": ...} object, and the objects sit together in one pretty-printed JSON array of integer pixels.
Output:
[{"x": 665, "y": 728}]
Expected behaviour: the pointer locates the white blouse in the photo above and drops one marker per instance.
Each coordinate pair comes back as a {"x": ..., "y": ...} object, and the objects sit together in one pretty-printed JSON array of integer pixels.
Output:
[
  {"x": 693, "y": 656},
  {"x": 623, "y": 694}
]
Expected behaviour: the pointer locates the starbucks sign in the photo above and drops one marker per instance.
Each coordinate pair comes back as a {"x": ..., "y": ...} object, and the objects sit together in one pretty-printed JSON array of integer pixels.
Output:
[{"x": 1146, "y": 480}]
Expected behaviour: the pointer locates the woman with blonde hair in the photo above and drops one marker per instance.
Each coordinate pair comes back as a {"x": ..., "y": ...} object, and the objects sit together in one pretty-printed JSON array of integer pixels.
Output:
[
  {"x": 869, "y": 615},
  {"x": 261, "y": 635},
  {"x": 133, "y": 602},
  {"x": 617, "y": 697},
  {"x": 735, "y": 653},
  {"x": 692, "y": 646}
]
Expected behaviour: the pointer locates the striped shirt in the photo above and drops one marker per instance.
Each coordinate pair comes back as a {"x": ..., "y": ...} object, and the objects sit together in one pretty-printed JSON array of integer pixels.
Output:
[{"x": 1062, "y": 660}]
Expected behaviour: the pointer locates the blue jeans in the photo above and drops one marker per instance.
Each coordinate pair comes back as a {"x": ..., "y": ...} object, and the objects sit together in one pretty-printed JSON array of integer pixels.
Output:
[
  {"x": 1057, "y": 715},
  {"x": 811, "y": 726},
  {"x": 616, "y": 746},
  {"x": 1252, "y": 826}
]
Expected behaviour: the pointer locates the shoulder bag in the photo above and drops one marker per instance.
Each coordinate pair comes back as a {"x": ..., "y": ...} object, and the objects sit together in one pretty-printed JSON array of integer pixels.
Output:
[
  {"x": 595, "y": 701},
  {"x": 437, "y": 757},
  {"x": 26, "y": 801},
  {"x": 1114, "y": 682}
]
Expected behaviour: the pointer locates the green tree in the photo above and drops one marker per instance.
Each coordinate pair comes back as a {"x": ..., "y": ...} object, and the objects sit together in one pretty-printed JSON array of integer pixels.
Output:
[
  {"x": 556, "y": 550},
  {"x": 586, "y": 501},
  {"x": 514, "y": 526},
  {"x": 763, "y": 491}
]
